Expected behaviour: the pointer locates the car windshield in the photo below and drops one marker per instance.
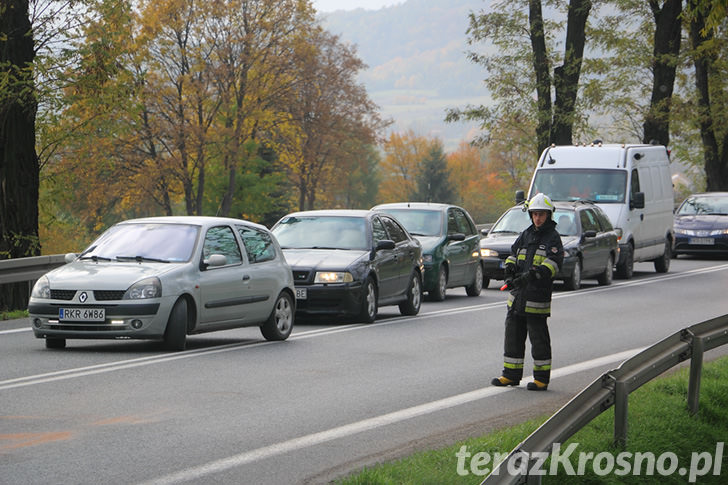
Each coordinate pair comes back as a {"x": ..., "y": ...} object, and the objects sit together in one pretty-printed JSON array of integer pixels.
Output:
[
  {"x": 322, "y": 232},
  {"x": 145, "y": 242},
  {"x": 516, "y": 220},
  {"x": 603, "y": 186},
  {"x": 713, "y": 205},
  {"x": 419, "y": 222}
]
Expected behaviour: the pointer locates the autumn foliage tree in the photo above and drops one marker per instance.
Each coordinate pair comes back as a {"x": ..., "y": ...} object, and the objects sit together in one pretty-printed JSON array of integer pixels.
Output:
[
  {"x": 333, "y": 123},
  {"x": 185, "y": 107}
]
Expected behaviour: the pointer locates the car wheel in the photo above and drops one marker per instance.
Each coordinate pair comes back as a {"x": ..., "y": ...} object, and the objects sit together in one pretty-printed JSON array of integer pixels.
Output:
[
  {"x": 175, "y": 335},
  {"x": 55, "y": 343},
  {"x": 280, "y": 322},
  {"x": 626, "y": 268},
  {"x": 573, "y": 282},
  {"x": 438, "y": 294},
  {"x": 411, "y": 306},
  {"x": 662, "y": 264},
  {"x": 605, "y": 278},
  {"x": 477, "y": 286},
  {"x": 368, "y": 311}
]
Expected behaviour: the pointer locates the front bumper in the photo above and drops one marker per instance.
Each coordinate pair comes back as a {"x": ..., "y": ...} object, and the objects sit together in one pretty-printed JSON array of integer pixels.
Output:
[
  {"x": 694, "y": 245},
  {"x": 124, "y": 319},
  {"x": 331, "y": 299}
]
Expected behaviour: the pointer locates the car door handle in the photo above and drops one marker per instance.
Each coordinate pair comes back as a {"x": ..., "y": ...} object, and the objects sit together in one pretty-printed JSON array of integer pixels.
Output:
[{"x": 246, "y": 277}]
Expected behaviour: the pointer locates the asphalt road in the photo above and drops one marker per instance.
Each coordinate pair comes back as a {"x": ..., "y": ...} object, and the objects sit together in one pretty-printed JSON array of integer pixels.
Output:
[{"x": 235, "y": 409}]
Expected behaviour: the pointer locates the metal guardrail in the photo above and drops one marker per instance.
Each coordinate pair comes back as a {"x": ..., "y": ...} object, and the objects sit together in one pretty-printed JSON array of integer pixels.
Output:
[
  {"x": 28, "y": 269},
  {"x": 613, "y": 388}
]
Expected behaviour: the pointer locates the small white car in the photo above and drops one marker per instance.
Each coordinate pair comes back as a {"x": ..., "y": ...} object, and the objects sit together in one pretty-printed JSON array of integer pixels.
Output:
[{"x": 165, "y": 278}]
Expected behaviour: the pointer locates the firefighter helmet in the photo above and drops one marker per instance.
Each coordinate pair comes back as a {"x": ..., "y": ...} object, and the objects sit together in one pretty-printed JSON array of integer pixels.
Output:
[{"x": 540, "y": 202}]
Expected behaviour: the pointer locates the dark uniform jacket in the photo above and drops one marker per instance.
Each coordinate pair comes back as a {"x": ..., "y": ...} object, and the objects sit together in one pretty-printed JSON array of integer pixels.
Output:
[{"x": 541, "y": 250}]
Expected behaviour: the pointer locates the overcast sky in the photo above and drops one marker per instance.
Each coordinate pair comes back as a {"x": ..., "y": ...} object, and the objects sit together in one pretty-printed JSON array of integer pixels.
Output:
[{"x": 331, "y": 5}]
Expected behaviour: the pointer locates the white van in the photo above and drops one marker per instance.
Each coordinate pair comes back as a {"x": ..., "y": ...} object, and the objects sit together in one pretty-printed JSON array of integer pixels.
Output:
[{"x": 631, "y": 183}]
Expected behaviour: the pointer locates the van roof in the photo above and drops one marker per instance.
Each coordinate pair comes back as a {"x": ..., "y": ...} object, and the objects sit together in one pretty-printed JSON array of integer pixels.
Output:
[{"x": 592, "y": 156}]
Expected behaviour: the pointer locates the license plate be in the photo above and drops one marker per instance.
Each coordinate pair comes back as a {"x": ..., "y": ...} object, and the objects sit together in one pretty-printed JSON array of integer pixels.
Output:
[
  {"x": 702, "y": 240},
  {"x": 82, "y": 314},
  {"x": 301, "y": 293}
]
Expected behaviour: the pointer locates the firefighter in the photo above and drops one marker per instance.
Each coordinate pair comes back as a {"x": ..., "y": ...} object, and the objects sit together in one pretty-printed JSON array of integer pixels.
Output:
[{"x": 529, "y": 274}]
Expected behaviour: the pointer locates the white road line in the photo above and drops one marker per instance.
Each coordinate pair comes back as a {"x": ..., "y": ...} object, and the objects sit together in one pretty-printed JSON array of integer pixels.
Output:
[{"x": 217, "y": 466}]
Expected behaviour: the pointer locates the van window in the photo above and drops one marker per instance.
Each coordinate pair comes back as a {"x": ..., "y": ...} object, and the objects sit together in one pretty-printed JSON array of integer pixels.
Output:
[
  {"x": 635, "y": 185},
  {"x": 598, "y": 185}
]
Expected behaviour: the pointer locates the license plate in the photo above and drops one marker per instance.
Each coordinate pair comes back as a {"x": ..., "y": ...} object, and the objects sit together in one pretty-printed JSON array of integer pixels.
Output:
[
  {"x": 501, "y": 264},
  {"x": 702, "y": 240},
  {"x": 301, "y": 293},
  {"x": 82, "y": 314}
]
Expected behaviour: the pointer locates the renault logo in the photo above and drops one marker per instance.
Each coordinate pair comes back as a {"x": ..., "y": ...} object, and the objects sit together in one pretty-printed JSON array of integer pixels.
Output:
[{"x": 83, "y": 297}]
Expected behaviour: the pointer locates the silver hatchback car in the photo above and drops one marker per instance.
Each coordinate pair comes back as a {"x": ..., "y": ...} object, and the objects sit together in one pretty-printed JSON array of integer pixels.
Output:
[{"x": 165, "y": 278}]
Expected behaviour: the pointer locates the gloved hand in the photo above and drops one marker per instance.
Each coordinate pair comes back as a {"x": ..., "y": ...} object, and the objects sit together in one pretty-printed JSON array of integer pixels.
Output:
[
  {"x": 519, "y": 282},
  {"x": 510, "y": 271}
]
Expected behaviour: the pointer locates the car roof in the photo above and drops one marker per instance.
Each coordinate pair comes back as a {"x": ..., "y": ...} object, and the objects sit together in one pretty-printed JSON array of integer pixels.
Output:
[
  {"x": 332, "y": 212},
  {"x": 567, "y": 205},
  {"x": 194, "y": 220},
  {"x": 414, "y": 205},
  {"x": 708, "y": 194}
]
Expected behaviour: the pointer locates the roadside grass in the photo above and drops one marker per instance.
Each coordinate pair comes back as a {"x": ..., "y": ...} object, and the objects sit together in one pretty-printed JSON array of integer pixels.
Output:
[
  {"x": 658, "y": 424},
  {"x": 13, "y": 314}
]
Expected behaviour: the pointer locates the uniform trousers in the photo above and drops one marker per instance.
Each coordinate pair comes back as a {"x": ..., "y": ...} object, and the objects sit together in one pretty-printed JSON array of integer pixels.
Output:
[{"x": 517, "y": 327}]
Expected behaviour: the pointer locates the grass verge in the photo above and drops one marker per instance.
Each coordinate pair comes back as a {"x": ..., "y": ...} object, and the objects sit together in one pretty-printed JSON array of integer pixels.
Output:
[
  {"x": 13, "y": 314},
  {"x": 660, "y": 431}
]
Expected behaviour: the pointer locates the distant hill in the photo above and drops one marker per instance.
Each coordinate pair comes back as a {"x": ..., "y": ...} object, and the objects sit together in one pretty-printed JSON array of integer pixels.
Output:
[{"x": 417, "y": 62}]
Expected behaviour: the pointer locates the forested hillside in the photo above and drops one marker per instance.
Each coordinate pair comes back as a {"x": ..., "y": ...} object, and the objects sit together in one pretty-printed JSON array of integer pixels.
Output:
[{"x": 417, "y": 62}]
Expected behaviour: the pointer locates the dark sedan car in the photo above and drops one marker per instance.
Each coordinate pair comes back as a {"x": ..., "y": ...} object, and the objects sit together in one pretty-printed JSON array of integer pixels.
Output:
[
  {"x": 701, "y": 224},
  {"x": 590, "y": 243},
  {"x": 450, "y": 245},
  {"x": 351, "y": 262}
]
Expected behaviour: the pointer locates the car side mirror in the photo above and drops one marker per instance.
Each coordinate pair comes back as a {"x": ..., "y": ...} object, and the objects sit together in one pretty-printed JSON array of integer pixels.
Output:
[
  {"x": 637, "y": 201},
  {"x": 591, "y": 233},
  {"x": 70, "y": 257},
  {"x": 384, "y": 244},
  {"x": 520, "y": 196},
  {"x": 213, "y": 261},
  {"x": 456, "y": 236}
]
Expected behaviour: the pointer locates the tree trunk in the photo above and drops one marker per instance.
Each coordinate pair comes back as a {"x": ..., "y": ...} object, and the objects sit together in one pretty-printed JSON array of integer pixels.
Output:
[
  {"x": 665, "y": 58},
  {"x": 566, "y": 76},
  {"x": 543, "y": 77},
  {"x": 716, "y": 160},
  {"x": 19, "y": 169}
]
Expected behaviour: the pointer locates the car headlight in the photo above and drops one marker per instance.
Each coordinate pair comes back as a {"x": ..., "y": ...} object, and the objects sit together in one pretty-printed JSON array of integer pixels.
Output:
[
  {"x": 719, "y": 232},
  {"x": 146, "y": 288},
  {"x": 427, "y": 258},
  {"x": 42, "y": 288},
  {"x": 333, "y": 277},
  {"x": 681, "y": 231},
  {"x": 488, "y": 253}
]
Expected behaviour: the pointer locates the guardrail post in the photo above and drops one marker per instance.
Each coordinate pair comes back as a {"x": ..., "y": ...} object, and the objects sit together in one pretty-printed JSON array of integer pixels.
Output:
[
  {"x": 621, "y": 396},
  {"x": 696, "y": 370}
]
